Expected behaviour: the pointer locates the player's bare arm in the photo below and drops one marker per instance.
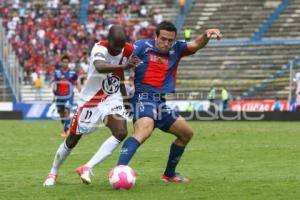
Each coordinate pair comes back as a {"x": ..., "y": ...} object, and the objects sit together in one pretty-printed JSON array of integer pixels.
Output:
[
  {"x": 203, "y": 39},
  {"x": 105, "y": 67},
  {"x": 53, "y": 87}
]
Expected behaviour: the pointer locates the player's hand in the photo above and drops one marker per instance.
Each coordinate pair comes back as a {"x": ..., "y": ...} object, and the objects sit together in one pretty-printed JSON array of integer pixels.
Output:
[
  {"x": 133, "y": 62},
  {"x": 213, "y": 33}
]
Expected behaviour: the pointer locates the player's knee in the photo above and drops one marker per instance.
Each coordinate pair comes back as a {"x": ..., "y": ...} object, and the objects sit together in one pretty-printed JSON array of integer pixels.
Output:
[
  {"x": 120, "y": 134},
  {"x": 187, "y": 136}
]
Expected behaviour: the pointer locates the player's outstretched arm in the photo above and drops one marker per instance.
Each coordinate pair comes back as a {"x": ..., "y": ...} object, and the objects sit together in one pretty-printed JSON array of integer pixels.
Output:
[{"x": 203, "y": 39}]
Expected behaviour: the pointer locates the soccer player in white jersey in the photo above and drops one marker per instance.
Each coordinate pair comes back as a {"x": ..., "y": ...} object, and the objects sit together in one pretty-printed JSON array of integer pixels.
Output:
[
  {"x": 297, "y": 89},
  {"x": 100, "y": 100}
]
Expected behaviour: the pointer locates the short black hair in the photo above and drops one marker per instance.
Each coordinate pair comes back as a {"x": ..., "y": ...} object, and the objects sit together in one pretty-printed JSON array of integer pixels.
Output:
[
  {"x": 165, "y": 25},
  {"x": 65, "y": 57},
  {"x": 117, "y": 33}
]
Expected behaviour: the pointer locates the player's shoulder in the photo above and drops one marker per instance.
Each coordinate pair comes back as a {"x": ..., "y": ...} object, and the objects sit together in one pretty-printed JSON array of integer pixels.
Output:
[
  {"x": 179, "y": 45},
  {"x": 180, "y": 42},
  {"x": 102, "y": 43},
  {"x": 128, "y": 49},
  {"x": 128, "y": 45},
  {"x": 100, "y": 47},
  {"x": 145, "y": 42}
]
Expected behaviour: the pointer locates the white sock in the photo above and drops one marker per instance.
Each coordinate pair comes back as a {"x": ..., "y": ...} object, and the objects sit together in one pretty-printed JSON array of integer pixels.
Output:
[
  {"x": 106, "y": 149},
  {"x": 62, "y": 153}
]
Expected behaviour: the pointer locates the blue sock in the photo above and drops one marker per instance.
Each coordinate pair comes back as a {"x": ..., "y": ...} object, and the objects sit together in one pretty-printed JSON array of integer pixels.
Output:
[
  {"x": 128, "y": 150},
  {"x": 174, "y": 158},
  {"x": 67, "y": 124}
]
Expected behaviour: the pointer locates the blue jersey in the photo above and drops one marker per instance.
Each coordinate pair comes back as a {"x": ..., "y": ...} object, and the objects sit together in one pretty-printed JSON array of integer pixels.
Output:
[
  {"x": 65, "y": 82},
  {"x": 157, "y": 72}
]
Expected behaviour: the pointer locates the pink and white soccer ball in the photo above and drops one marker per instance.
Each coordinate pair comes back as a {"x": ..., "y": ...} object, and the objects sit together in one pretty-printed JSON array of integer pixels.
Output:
[{"x": 122, "y": 177}]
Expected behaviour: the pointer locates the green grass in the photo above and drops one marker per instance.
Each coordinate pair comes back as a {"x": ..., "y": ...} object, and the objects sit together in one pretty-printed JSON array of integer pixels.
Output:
[{"x": 226, "y": 160}]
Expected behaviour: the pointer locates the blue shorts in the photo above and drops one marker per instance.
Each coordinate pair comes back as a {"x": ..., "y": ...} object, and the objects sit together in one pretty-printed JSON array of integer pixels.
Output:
[
  {"x": 153, "y": 105},
  {"x": 63, "y": 102}
]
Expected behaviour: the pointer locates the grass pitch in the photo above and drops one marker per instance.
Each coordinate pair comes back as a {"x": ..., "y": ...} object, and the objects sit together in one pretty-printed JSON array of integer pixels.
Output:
[{"x": 226, "y": 160}]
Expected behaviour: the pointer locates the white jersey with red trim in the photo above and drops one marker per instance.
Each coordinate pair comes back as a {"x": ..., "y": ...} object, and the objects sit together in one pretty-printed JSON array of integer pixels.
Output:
[{"x": 101, "y": 86}]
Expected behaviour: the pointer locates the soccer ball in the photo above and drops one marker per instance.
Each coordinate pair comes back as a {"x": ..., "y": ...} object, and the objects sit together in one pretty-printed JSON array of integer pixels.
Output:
[{"x": 122, "y": 177}]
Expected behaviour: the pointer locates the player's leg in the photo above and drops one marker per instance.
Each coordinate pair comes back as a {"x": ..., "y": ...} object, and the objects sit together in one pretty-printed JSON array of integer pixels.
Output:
[
  {"x": 184, "y": 133},
  {"x": 143, "y": 117},
  {"x": 61, "y": 112},
  {"x": 112, "y": 114},
  {"x": 61, "y": 155},
  {"x": 67, "y": 122},
  {"x": 118, "y": 126},
  {"x": 143, "y": 128},
  {"x": 67, "y": 111},
  {"x": 63, "y": 151}
]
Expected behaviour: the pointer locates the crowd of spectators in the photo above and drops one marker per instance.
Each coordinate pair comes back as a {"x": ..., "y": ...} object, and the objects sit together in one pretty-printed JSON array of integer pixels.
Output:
[{"x": 41, "y": 32}]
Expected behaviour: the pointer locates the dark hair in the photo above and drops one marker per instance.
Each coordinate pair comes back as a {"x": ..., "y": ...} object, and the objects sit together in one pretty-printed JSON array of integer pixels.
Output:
[
  {"x": 117, "y": 33},
  {"x": 65, "y": 57},
  {"x": 165, "y": 25}
]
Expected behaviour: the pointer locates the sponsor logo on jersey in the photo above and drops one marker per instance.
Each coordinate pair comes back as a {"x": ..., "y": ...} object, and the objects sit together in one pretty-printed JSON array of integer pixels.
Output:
[
  {"x": 111, "y": 84},
  {"x": 158, "y": 59},
  {"x": 117, "y": 108}
]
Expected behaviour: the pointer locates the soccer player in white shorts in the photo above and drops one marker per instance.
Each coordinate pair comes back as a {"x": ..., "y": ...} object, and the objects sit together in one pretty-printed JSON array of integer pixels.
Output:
[{"x": 100, "y": 100}]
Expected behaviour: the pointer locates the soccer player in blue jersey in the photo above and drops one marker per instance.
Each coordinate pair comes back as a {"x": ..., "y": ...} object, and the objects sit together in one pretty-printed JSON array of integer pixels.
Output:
[
  {"x": 63, "y": 83},
  {"x": 155, "y": 77}
]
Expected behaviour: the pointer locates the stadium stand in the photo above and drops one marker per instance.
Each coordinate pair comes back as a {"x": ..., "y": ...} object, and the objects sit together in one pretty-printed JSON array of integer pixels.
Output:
[
  {"x": 287, "y": 24},
  {"x": 237, "y": 19},
  {"x": 277, "y": 85},
  {"x": 40, "y": 32},
  {"x": 237, "y": 68},
  {"x": 248, "y": 69}
]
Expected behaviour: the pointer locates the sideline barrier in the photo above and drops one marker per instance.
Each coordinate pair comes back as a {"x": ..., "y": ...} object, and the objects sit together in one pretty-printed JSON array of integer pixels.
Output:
[
  {"x": 38, "y": 111},
  {"x": 47, "y": 111},
  {"x": 11, "y": 115},
  {"x": 241, "y": 116}
]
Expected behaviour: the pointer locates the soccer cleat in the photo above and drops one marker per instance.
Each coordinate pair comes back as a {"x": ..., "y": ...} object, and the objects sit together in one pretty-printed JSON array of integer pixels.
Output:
[
  {"x": 50, "y": 180},
  {"x": 85, "y": 174},
  {"x": 176, "y": 178}
]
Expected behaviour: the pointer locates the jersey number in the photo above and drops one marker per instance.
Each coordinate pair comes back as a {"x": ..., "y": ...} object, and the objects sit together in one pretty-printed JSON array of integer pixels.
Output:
[{"x": 88, "y": 115}]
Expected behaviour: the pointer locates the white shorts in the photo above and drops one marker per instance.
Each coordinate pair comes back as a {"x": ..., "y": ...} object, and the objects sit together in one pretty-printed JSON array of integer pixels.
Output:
[{"x": 88, "y": 119}]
